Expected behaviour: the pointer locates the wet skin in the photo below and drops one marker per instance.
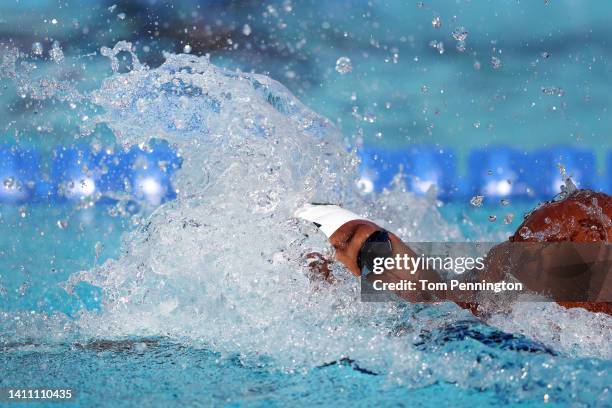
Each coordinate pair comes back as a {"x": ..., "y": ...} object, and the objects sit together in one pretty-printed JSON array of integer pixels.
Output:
[
  {"x": 581, "y": 217},
  {"x": 584, "y": 217}
]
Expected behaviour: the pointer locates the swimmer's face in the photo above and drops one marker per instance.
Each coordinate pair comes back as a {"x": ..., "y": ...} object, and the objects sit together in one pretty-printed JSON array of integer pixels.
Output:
[{"x": 584, "y": 216}]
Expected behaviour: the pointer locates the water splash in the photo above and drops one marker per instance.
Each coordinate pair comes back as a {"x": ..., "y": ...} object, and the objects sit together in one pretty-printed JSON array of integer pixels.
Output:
[
  {"x": 553, "y": 324},
  {"x": 223, "y": 265},
  {"x": 15, "y": 66},
  {"x": 252, "y": 154},
  {"x": 568, "y": 187},
  {"x": 121, "y": 46}
]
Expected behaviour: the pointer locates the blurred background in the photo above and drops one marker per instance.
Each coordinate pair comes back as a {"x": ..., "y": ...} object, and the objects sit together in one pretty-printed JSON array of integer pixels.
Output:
[{"x": 486, "y": 105}]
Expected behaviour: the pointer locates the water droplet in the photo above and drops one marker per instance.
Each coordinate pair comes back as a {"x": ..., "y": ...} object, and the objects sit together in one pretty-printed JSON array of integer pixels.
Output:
[
  {"x": 504, "y": 201},
  {"x": 477, "y": 200},
  {"x": 525, "y": 232},
  {"x": 436, "y": 22},
  {"x": 22, "y": 212},
  {"x": 545, "y": 54},
  {"x": 343, "y": 65},
  {"x": 37, "y": 48},
  {"x": 121, "y": 16},
  {"x": 55, "y": 53},
  {"x": 508, "y": 218},
  {"x": 187, "y": 49},
  {"x": 62, "y": 224},
  {"x": 54, "y": 21},
  {"x": 369, "y": 117},
  {"x": 553, "y": 91},
  {"x": 477, "y": 65},
  {"x": 23, "y": 288},
  {"x": 477, "y": 125},
  {"x": 438, "y": 45},
  {"x": 140, "y": 347},
  {"x": 9, "y": 183},
  {"x": 246, "y": 30},
  {"x": 492, "y": 218},
  {"x": 569, "y": 187},
  {"x": 424, "y": 89},
  {"x": 460, "y": 34},
  {"x": 496, "y": 63},
  {"x": 98, "y": 247}
]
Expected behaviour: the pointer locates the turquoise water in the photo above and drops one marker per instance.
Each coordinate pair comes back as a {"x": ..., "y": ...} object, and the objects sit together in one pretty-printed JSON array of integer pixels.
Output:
[
  {"x": 197, "y": 377},
  {"x": 161, "y": 371},
  {"x": 204, "y": 300}
]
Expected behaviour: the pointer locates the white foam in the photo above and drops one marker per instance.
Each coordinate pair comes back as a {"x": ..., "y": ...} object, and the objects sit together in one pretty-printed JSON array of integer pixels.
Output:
[{"x": 224, "y": 263}]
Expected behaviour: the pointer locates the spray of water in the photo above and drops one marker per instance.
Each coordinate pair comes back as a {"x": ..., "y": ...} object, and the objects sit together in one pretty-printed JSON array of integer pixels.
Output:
[{"x": 223, "y": 265}]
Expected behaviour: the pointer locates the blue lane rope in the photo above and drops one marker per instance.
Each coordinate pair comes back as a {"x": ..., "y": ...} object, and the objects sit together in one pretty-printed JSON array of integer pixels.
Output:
[{"x": 78, "y": 172}]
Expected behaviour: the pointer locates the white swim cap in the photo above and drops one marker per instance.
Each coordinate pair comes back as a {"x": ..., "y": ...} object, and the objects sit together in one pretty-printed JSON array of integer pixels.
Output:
[{"x": 327, "y": 217}]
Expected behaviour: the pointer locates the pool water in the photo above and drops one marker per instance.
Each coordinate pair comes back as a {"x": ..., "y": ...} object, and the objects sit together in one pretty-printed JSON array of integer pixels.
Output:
[
  {"x": 153, "y": 372},
  {"x": 204, "y": 299}
]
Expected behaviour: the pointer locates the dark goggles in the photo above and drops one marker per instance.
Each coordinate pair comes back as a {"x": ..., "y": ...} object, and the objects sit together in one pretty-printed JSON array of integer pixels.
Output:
[{"x": 378, "y": 245}]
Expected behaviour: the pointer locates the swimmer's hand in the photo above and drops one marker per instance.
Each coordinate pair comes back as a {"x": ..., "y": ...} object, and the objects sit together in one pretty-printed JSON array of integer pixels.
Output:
[
  {"x": 319, "y": 268},
  {"x": 346, "y": 231}
]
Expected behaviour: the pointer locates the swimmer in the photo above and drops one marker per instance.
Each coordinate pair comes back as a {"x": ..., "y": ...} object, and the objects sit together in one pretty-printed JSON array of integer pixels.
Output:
[{"x": 580, "y": 217}]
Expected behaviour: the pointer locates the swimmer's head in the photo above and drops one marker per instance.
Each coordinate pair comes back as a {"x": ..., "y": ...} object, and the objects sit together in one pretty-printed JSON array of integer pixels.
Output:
[{"x": 583, "y": 216}]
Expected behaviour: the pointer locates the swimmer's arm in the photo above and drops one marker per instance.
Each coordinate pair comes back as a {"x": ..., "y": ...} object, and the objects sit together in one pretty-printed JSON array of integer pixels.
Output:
[{"x": 348, "y": 241}]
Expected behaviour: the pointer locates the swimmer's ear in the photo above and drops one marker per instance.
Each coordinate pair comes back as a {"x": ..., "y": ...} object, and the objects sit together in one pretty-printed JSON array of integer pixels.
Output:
[{"x": 327, "y": 217}]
